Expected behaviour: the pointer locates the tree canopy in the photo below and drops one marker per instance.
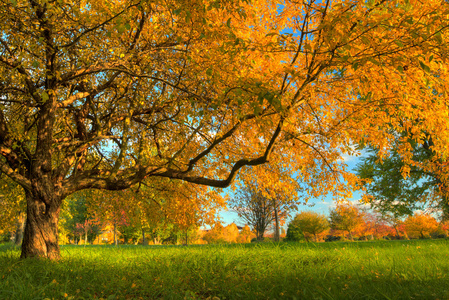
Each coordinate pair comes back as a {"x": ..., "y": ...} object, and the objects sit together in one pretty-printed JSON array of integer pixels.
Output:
[
  {"x": 346, "y": 217},
  {"x": 106, "y": 94}
]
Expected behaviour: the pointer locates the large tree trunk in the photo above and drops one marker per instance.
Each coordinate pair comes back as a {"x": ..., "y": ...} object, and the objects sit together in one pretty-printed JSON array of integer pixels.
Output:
[{"x": 40, "y": 238}]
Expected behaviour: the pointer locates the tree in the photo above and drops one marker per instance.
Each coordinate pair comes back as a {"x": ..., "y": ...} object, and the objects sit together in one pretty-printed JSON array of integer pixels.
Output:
[
  {"x": 266, "y": 194},
  {"x": 257, "y": 209},
  {"x": 392, "y": 220},
  {"x": 104, "y": 95},
  {"x": 294, "y": 232},
  {"x": 163, "y": 207},
  {"x": 346, "y": 217},
  {"x": 231, "y": 233},
  {"x": 307, "y": 223},
  {"x": 377, "y": 226},
  {"x": 245, "y": 235},
  {"x": 422, "y": 224},
  {"x": 254, "y": 209},
  {"x": 390, "y": 192},
  {"x": 215, "y": 234}
]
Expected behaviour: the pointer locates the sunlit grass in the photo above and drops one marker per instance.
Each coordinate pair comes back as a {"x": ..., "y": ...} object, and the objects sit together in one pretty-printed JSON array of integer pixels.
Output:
[{"x": 368, "y": 270}]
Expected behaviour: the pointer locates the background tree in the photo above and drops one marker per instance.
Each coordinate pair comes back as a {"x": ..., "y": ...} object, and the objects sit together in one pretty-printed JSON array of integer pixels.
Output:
[
  {"x": 346, "y": 217},
  {"x": 377, "y": 227},
  {"x": 12, "y": 213},
  {"x": 77, "y": 223},
  {"x": 294, "y": 232},
  {"x": 274, "y": 192},
  {"x": 231, "y": 233},
  {"x": 256, "y": 209},
  {"x": 392, "y": 220},
  {"x": 246, "y": 235},
  {"x": 421, "y": 225},
  {"x": 215, "y": 235},
  {"x": 309, "y": 224},
  {"x": 108, "y": 94},
  {"x": 390, "y": 192}
]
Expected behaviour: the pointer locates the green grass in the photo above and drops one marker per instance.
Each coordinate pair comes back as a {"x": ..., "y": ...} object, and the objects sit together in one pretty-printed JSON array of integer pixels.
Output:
[{"x": 359, "y": 270}]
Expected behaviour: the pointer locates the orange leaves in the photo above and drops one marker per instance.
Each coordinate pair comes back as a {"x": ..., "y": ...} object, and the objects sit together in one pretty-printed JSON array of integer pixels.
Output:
[
  {"x": 228, "y": 234},
  {"x": 420, "y": 225}
]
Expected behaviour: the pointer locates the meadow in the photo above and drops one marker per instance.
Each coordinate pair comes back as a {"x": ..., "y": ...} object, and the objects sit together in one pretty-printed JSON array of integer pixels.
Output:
[{"x": 416, "y": 269}]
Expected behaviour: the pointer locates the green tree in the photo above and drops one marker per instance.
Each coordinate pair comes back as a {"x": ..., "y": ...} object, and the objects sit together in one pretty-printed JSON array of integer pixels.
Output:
[
  {"x": 294, "y": 232},
  {"x": 397, "y": 188},
  {"x": 309, "y": 224}
]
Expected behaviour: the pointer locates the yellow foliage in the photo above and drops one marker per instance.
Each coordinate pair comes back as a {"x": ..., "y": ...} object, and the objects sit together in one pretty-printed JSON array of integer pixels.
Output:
[{"x": 420, "y": 225}]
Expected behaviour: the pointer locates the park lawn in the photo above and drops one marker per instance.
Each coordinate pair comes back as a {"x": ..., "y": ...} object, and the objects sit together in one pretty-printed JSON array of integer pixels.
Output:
[{"x": 417, "y": 269}]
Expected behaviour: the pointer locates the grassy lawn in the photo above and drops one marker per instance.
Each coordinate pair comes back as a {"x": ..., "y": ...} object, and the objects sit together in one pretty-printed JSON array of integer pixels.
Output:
[{"x": 359, "y": 270}]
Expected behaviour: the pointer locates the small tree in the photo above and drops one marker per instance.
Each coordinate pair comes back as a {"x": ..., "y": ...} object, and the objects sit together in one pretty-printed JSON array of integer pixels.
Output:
[
  {"x": 308, "y": 223},
  {"x": 294, "y": 232},
  {"x": 346, "y": 217},
  {"x": 254, "y": 209}
]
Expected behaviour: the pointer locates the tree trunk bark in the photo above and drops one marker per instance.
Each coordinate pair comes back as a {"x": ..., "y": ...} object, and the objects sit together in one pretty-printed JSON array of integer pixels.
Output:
[
  {"x": 40, "y": 238},
  {"x": 397, "y": 232},
  {"x": 406, "y": 235}
]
